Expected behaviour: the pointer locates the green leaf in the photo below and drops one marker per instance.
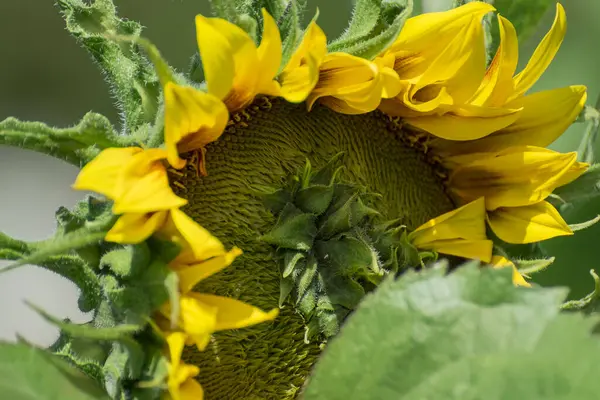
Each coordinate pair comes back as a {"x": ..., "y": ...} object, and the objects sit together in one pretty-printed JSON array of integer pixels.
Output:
[
  {"x": 127, "y": 261},
  {"x": 314, "y": 199},
  {"x": 585, "y": 152},
  {"x": 29, "y": 373},
  {"x": 132, "y": 78},
  {"x": 77, "y": 145},
  {"x": 85, "y": 227},
  {"x": 87, "y": 330},
  {"x": 125, "y": 362},
  {"x": 294, "y": 230},
  {"x": 290, "y": 259},
  {"x": 375, "y": 25},
  {"x": 527, "y": 267},
  {"x": 589, "y": 303},
  {"x": 291, "y": 33},
  {"x": 348, "y": 256},
  {"x": 584, "y": 225},
  {"x": 58, "y": 246},
  {"x": 467, "y": 335}
]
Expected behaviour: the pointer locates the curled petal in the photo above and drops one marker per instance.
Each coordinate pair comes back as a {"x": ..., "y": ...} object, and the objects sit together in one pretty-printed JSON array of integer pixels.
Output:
[
  {"x": 196, "y": 319},
  {"x": 192, "y": 120},
  {"x": 234, "y": 314},
  {"x": 469, "y": 249},
  {"x": 197, "y": 244},
  {"x": 191, "y": 275},
  {"x": 190, "y": 390},
  {"x": 236, "y": 71},
  {"x": 501, "y": 262},
  {"x": 143, "y": 185},
  {"x": 529, "y": 224},
  {"x": 269, "y": 56},
  {"x": 543, "y": 54},
  {"x": 349, "y": 84},
  {"x": 301, "y": 73},
  {"x": 425, "y": 36},
  {"x": 466, "y": 222},
  {"x": 497, "y": 85},
  {"x": 101, "y": 175},
  {"x": 134, "y": 228}
]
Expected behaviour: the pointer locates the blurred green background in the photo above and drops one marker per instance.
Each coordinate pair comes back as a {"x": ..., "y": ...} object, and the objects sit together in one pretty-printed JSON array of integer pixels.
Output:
[{"x": 45, "y": 76}]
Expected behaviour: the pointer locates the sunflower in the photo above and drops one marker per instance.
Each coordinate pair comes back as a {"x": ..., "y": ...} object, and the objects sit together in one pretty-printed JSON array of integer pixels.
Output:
[
  {"x": 324, "y": 172},
  {"x": 333, "y": 162}
]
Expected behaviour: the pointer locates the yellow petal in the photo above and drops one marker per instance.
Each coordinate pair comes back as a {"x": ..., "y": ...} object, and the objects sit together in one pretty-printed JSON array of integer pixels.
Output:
[
  {"x": 469, "y": 249},
  {"x": 196, "y": 319},
  {"x": 576, "y": 170},
  {"x": 202, "y": 245},
  {"x": 461, "y": 65},
  {"x": 180, "y": 383},
  {"x": 545, "y": 116},
  {"x": 144, "y": 185},
  {"x": 544, "y": 53},
  {"x": 348, "y": 84},
  {"x": 501, "y": 262},
  {"x": 528, "y": 224},
  {"x": 229, "y": 57},
  {"x": 515, "y": 177},
  {"x": 175, "y": 341},
  {"x": 102, "y": 173},
  {"x": 425, "y": 36},
  {"x": 191, "y": 275},
  {"x": 390, "y": 81},
  {"x": 301, "y": 73},
  {"x": 192, "y": 120},
  {"x": 269, "y": 56},
  {"x": 234, "y": 314},
  {"x": 455, "y": 127},
  {"x": 497, "y": 85},
  {"x": 135, "y": 228},
  {"x": 191, "y": 390},
  {"x": 466, "y": 222}
]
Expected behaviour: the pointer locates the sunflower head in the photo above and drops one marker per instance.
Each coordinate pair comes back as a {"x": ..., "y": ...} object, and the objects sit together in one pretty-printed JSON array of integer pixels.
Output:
[{"x": 250, "y": 218}]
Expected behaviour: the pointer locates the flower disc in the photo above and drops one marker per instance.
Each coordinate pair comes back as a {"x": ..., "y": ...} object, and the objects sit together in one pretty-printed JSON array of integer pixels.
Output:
[{"x": 263, "y": 145}]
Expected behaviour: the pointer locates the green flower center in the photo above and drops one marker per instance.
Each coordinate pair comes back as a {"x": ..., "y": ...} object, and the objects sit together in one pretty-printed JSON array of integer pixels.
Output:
[{"x": 266, "y": 144}]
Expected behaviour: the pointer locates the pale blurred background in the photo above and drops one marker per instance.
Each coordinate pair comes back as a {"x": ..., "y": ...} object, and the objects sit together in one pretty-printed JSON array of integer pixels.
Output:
[{"x": 45, "y": 76}]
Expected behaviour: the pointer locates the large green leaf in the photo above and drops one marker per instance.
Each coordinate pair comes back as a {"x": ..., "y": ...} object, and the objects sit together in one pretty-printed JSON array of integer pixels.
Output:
[
  {"x": 375, "y": 25},
  {"x": 29, "y": 373},
  {"x": 467, "y": 335}
]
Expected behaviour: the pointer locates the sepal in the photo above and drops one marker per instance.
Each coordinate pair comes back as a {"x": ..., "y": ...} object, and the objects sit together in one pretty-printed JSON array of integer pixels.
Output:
[{"x": 375, "y": 25}]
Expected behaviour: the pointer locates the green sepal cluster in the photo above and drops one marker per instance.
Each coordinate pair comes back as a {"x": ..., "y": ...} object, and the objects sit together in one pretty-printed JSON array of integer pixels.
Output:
[
  {"x": 469, "y": 334},
  {"x": 330, "y": 246},
  {"x": 122, "y": 285},
  {"x": 374, "y": 26},
  {"x": 131, "y": 76}
]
